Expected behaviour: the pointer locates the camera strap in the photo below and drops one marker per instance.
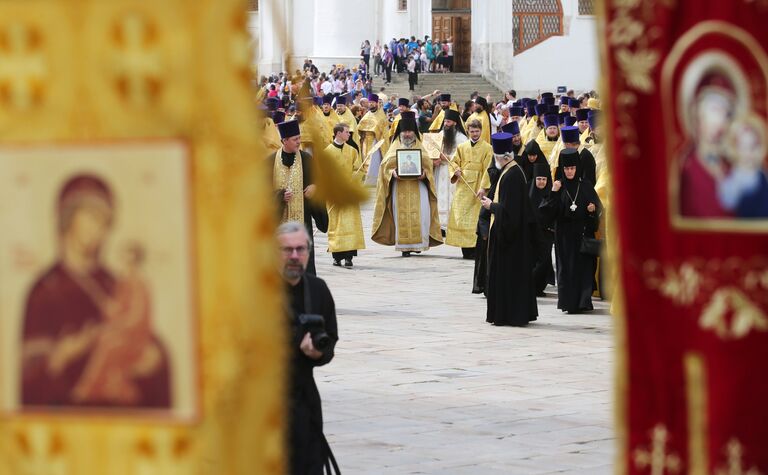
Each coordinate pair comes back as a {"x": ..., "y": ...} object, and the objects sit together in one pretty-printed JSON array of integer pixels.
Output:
[
  {"x": 330, "y": 460},
  {"x": 307, "y": 297}
]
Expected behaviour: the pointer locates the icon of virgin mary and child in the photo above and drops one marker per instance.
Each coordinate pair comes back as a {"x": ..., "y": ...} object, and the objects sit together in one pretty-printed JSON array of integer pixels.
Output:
[
  {"x": 87, "y": 337},
  {"x": 724, "y": 175}
]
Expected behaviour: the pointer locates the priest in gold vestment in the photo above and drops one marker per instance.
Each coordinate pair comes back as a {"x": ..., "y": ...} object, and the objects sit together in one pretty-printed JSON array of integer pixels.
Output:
[
  {"x": 293, "y": 184},
  {"x": 454, "y": 135},
  {"x": 549, "y": 136},
  {"x": 345, "y": 226},
  {"x": 483, "y": 115},
  {"x": 473, "y": 158},
  {"x": 328, "y": 114},
  {"x": 312, "y": 123},
  {"x": 445, "y": 104},
  {"x": 406, "y": 208},
  {"x": 372, "y": 128},
  {"x": 346, "y": 117}
]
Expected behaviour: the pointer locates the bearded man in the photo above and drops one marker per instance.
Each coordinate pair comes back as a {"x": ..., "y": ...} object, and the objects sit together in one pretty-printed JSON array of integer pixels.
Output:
[{"x": 406, "y": 207}]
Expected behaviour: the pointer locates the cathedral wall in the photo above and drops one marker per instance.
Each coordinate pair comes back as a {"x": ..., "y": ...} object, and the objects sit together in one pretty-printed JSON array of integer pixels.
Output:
[{"x": 492, "y": 54}]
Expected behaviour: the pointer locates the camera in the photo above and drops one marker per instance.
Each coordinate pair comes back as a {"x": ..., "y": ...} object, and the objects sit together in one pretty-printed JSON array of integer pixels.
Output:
[{"x": 315, "y": 326}]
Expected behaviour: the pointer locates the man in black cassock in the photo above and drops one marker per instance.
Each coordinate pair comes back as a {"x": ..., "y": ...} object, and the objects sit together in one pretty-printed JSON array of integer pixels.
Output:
[
  {"x": 293, "y": 185},
  {"x": 308, "y": 450},
  {"x": 511, "y": 295}
]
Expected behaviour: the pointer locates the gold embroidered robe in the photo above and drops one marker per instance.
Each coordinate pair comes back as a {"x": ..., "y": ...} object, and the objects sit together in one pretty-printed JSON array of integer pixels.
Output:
[
  {"x": 330, "y": 121},
  {"x": 465, "y": 208},
  {"x": 314, "y": 122},
  {"x": 408, "y": 204},
  {"x": 372, "y": 128},
  {"x": 270, "y": 136},
  {"x": 531, "y": 130},
  {"x": 437, "y": 123},
  {"x": 345, "y": 226},
  {"x": 349, "y": 119},
  {"x": 547, "y": 145}
]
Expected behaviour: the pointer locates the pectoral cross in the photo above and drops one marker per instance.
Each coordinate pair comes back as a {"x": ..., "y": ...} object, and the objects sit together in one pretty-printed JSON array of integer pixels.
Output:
[
  {"x": 656, "y": 458},
  {"x": 22, "y": 67},
  {"x": 138, "y": 66}
]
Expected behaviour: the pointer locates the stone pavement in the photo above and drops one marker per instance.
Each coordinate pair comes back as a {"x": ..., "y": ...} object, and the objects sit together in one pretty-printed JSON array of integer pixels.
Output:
[{"x": 421, "y": 384}]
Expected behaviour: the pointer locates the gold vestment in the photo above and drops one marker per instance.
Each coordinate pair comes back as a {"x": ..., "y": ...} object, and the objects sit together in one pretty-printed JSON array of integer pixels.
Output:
[
  {"x": 345, "y": 226},
  {"x": 465, "y": 208},
  {"x": 408, "y": 204}
]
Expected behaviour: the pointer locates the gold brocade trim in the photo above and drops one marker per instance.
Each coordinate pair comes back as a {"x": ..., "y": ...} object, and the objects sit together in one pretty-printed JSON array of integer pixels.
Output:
[
  {"x": 290, "y": 179},
  {"x": 621, "y": 360},
  {"x": 408, "y": 212},
  {"x": 696, "y": 396},
  {"x": 729, "y": 295}
]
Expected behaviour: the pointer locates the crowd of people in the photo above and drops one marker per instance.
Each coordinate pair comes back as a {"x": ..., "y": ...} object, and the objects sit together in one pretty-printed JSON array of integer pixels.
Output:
[{"x": 507, "y": 181}]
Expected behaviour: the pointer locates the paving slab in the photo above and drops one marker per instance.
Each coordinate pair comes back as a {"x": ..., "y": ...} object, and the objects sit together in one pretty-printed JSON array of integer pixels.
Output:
[{"x": 422, "y": 384}]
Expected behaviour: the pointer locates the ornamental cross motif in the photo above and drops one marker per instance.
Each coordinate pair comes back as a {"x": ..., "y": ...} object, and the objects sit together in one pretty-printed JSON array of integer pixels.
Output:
[
  {"x": 42, "y": 452},
  {"x": 735, "y": 464},
  {"x": 656, "y": 458},
  {"x": 163, "y": 455},
  {"x": 22, "y": 67},
  {"x": 138, "y": 65}
]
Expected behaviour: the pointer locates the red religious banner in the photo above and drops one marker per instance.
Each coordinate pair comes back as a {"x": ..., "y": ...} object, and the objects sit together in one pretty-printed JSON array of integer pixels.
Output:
[{"x": 686, "y": 89}]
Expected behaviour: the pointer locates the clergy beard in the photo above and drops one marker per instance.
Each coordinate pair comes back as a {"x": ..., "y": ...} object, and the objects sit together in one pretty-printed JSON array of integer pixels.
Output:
[
  {"x": 449, "y": 140},
  {"x": 552, "y": 139},
  {"x": 498, "y": 158},
  {"x": 516, "y": 148},
  {"x": 407, "y": 142}
]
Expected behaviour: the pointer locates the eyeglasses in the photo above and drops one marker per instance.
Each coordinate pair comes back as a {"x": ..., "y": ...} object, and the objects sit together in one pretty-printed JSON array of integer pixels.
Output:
[{"x": 288, "y": 251}]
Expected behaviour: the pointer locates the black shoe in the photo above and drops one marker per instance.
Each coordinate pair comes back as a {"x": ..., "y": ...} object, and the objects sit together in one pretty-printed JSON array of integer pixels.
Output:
[
  {"x": 337, "y": 262},
  {"x": 347, "y": 262},
  {"x": 406, "y": 253}
]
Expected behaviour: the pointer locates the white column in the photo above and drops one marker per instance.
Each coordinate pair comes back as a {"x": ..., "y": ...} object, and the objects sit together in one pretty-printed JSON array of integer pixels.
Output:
[{"x": 270, "y": 55}]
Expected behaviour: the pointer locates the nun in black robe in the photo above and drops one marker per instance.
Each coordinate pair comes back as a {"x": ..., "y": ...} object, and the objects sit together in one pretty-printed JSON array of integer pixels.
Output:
[
  {"x": 587, "y": 167},
  {"x": 543, "y": 272},
  {"x": 511, "y": 296},
  {"x": 532, "y": 155},
  {"x": 483, "y": 227},
  {"x": 567, "y": 209}
]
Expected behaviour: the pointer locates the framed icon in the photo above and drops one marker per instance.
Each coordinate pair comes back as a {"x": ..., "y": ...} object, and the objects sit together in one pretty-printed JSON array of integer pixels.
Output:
[
  {"x": 409, "y": 163},
  {"x": 123, "y": 208}
]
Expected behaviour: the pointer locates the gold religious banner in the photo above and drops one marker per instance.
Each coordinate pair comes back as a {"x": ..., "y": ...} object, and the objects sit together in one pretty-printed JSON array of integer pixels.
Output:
[
  {"x": 433, "y": 144},
  {"x": 141, "y": 323}
]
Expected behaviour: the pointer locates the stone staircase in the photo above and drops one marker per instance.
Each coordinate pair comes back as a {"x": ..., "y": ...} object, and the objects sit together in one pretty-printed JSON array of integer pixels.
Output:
[{"x": 459, "y": 85}]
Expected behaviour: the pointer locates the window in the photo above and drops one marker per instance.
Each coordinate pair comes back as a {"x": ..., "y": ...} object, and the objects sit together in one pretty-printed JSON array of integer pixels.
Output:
[
  {"x": 402, "y": 5},
  {"x": 586, "y": 7},
  {"x": 534, "y": 21},
  {"x": 253, "y": 5}
]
